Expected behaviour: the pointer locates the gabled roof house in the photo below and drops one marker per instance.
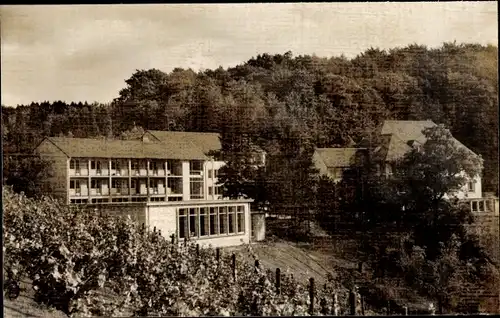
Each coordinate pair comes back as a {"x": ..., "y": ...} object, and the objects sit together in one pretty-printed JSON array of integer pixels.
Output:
[{"x": 394, "y": 139}]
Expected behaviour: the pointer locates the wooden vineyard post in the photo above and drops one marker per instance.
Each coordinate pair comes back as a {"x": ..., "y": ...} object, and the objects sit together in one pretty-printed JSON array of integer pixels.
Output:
[
  {"x": 159, "y": 232},
  {"x": 197, "y": 249},
  {"x": 311, "y": 296},
  {"x": 335, "y": 305},
  {"x": 173, "y": 238},
  {"x": 256, "y": 265},
  {"x": 154, "y": 229},
  {"x": 362, "y": 305},
  {"x": 233, "y": 265},
  {"x": 217, "y": 254},
  {"x": 185, "y": 241},
  {"x": 278, "y": 281},
  {"x": 352, "y": 302}
]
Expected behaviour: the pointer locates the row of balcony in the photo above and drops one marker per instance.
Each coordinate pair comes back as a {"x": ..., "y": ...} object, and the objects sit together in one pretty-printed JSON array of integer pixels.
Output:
[
  {"x": 122, "y": 191},
  {"x": 125, "y": 173}
]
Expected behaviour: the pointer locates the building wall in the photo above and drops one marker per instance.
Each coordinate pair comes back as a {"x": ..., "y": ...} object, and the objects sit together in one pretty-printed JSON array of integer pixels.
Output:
[
  {"x": 136, "y": 211},
  {"x": 57, "y": 183},
  {"x": 164, "y": 216}
]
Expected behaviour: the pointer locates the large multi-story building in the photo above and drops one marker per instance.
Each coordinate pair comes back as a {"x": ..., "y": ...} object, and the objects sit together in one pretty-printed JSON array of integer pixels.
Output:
[{"x": 166, "y": 180}]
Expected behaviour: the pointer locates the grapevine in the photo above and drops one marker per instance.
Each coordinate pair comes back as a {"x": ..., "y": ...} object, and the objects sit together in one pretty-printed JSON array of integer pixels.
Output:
[{"x": 88, "y": 265}]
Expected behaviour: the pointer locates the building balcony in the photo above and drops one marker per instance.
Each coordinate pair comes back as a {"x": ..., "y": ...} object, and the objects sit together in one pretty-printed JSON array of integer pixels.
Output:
[
  {"x": 99, "y": 172},
  {"x": 120, "y": 191},
  {"x": 119, "y": 173},
  {"x": 157, "y": 173},
  {"x": 78, "y": 192},
  {"x": 99, "y": 192},
  {"x": 157, "y": 191},
  {"x": 78, "y": 172},
  {"x": 141, "y": 192}
]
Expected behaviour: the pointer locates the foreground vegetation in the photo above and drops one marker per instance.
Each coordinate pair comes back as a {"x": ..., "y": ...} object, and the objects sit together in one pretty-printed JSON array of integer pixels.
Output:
[{"x": 76, "y": 260}]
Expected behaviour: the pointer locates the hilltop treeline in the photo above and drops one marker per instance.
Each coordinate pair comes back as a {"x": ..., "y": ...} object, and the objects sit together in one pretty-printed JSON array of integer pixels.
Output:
[{"x": 289, "y": 105}]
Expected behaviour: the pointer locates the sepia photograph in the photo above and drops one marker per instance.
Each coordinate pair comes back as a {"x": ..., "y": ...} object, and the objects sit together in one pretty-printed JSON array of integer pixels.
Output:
[{"x": 250, "y": 159}]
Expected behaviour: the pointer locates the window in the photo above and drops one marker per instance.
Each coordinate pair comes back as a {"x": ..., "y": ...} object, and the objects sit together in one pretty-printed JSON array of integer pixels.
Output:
[
  {"x": 231, "y": 220},
  {"x": 182, "y": 223},
  {"x": 471, "y": 186},
  {"x": 154, "y": 167},
  {"x": 203, "y": 222},
  {"x": 96, "y": 185},
  {"x": 474, "y": 206},
  {"x": 481, "y": 206},
  {"x": 75, "y": 164},
  {"x": 489, "y": 205},
  {"x": 222, "y": 220},
  {"x": 153, "y": 184},
  {"x": 98, "y": 165},
  {"x": 115, "y": 165},
  {"x": 210, "y": 221},
  {"x": 193, "y": 225},
  {"x": 174, "y": 167},
  {"x": 214, "y": 229},
  {"x": 210, "y": 173},
  {"x": 92, "y": 165},
  {"x": 210, "y": 190},
  {"x": 135, "y": 166},
  {"x": 196, "y": 188},
  {"x": 116, "y": 184},
  {"x": 77, "y": 186},
  {"x": 241, "y": 218},
  {"x": 196, "y": 167},
  {"x": 216, "y": 173},
  {"x": 78, "y": 201}
]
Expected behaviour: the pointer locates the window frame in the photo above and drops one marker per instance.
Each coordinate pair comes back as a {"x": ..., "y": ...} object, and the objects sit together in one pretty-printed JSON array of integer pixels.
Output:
[
  {"x": 471, "y": 186},
  {"x": 201, "y": 184},
  {"x": 208, "y": 221}
]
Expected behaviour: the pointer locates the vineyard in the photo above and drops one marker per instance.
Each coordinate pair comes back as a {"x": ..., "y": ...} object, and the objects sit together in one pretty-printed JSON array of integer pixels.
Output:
[{"x": 86, "y": 265}]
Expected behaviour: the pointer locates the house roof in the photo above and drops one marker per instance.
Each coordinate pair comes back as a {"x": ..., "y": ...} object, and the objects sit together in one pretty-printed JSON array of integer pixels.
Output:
[
  {"x": 390, "y": 148},
  {"x": 406, "y": 130},
  {"x": 105, "y": 148},
  {"x": 204, "y": 141},
  {"x": 397, "y": 135},
  {"x": 337, "y": 157}
]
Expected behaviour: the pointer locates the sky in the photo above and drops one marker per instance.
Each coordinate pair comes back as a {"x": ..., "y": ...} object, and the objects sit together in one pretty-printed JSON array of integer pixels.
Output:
[{"x": 86, "y": 52}]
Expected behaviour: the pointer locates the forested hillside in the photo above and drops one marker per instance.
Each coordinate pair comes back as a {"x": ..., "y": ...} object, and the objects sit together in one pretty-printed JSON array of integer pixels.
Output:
[{"x": 289, "y": 105}]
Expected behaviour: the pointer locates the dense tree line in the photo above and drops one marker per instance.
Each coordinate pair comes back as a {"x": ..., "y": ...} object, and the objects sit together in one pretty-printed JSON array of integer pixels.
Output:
[{"x": 289, "y": 105}]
